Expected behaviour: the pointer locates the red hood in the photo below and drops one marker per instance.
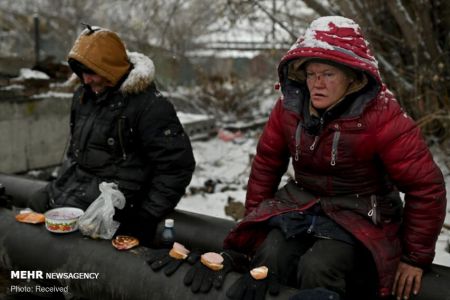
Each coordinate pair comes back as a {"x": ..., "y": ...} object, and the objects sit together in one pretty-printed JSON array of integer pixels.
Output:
[{"x": 337, "y": 39}]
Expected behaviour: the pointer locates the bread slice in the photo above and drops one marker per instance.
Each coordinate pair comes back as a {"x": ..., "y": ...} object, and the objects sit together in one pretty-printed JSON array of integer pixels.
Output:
[
  {"x": 259, "y": 273},
  {"x": 212, "y": 260},
  {"x": 30, "y": 217},
  {"x": 178, "y": 251},
  {"x": 124, "y": 242}
]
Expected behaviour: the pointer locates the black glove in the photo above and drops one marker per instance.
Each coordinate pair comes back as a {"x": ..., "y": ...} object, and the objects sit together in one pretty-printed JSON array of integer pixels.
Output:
[
  {"x": 160, "y": 259},
  {"x": 39, "y": 201},
  {"x": 248, "y": 288},
  {"x": 201, "y": 278},
  {"x": 140, "y": 225}
]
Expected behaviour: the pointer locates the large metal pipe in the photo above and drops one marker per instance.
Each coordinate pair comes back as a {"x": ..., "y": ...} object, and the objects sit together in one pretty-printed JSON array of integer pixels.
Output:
[
  {"x": 203, "y": 232},
  {"x": 20, "y": 187},
  {"x": 122, "y": 275},
  {"x": 125, "y": 275}
]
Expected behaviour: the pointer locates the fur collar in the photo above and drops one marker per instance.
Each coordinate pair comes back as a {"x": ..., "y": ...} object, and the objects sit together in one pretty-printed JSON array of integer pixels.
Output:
[{"x": 140, "y": 77}]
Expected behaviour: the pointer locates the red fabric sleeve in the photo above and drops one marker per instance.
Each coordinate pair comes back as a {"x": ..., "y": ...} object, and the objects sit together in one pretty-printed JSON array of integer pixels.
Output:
[
  {"x": 270, "y": 162},
  {"x": 410, "y": 165}
]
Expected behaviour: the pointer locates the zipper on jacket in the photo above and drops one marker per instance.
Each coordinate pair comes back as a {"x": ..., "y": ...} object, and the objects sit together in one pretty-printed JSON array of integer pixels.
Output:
[
  {"x": 373, "y": 212},
  {"x": 313, "y": 145},
  {"x": 298, "y": 138},
  {"x": 334, "y": 146},
  {"x": 85, "y": 131},
  {"x": 316, "y": 138},
  {"x": 120, "y": 127}
]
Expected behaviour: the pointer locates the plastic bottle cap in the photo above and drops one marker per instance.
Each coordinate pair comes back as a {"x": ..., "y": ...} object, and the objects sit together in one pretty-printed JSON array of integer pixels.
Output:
[{"x": 168, "y": 223}]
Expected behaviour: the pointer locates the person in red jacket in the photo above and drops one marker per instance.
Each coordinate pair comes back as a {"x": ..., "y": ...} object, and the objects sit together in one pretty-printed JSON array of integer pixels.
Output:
[{"x": 340, "y": 224}]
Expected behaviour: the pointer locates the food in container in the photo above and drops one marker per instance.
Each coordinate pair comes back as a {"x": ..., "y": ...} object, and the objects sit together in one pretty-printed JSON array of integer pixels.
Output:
[{"x": 63, "y": 219}]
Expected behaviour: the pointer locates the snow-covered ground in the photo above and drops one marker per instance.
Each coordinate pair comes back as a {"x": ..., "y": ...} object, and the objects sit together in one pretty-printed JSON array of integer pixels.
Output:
[
  {"x": 30, "y": 74},
  {"x": 227, "y": 165}
]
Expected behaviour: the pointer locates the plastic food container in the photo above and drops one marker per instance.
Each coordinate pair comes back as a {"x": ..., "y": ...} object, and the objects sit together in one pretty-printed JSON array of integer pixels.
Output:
[{"x": 62, "y": 219}]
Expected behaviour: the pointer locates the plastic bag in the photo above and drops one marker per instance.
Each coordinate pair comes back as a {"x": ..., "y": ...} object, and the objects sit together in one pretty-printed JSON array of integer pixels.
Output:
[{"x": 97, "y": 221}]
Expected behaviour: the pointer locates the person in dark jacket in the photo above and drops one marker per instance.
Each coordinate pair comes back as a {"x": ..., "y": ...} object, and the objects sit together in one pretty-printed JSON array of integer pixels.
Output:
[
  {"x": 123, "y": 131},
  {"x": 340, "y": 224}
]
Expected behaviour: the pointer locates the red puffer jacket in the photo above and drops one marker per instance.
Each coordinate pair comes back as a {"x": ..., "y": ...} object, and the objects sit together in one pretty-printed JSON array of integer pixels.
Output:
[{"x": 365, "y": 145}]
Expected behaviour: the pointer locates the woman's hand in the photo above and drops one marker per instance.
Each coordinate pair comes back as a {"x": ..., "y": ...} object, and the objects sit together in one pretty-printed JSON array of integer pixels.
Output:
[{"x": 407, "y": 278}]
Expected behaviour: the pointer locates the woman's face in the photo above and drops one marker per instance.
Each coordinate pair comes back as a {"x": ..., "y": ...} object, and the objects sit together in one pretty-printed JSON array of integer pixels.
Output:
[{"x": 326, "y": 84}]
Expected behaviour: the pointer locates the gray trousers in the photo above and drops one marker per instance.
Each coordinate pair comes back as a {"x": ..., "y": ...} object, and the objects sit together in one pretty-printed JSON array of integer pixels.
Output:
[{"x": 308, "y": 262}]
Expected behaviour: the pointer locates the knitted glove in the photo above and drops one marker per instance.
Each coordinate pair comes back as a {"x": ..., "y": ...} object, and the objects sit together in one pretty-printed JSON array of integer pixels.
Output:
[
  {"x": 248, "y": 288},
  {"x": 201, "y": 278},
  {"x": 161, "y": 259}
]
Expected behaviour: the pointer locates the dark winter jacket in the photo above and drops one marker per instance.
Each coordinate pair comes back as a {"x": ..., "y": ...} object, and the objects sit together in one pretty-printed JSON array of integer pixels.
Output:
[
  {"x": 130, "y": 135},
  {"x": 358, "y": 151}
]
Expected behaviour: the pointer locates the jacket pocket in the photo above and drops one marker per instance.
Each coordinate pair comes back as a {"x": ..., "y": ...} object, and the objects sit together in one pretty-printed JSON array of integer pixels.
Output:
[{"x": 293, "y": 195}]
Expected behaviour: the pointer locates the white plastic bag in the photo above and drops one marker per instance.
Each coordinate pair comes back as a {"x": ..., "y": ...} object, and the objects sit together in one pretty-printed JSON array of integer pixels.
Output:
[{"x": 97, "y": 221}]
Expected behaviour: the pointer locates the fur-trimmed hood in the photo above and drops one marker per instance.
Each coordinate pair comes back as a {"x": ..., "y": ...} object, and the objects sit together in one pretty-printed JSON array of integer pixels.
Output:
[
  {"x": 141, "y": 74},
  {"x": 138, "y": 79},
  {"x": 101, "y": 51}
]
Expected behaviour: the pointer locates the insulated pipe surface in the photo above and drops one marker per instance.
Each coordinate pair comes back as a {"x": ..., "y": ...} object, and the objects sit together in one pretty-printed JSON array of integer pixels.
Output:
[
  {"x": 201, "y": 231},
  {"x": 125, "y": 275},
  {"x": 122, "y": 274},
  {"x": 20, "y": 187}
]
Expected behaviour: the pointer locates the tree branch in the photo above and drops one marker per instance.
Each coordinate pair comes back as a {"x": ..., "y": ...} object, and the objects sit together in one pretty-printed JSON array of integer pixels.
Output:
[
  {"x": 169, "y": 20},
  {"x": 393, "y": 73},
  {"x": 319, "y": 8},
  {"x": 429, "y": 41},
  {"x": 405, "y": 22},
  {"x": 275, "y": 20}
]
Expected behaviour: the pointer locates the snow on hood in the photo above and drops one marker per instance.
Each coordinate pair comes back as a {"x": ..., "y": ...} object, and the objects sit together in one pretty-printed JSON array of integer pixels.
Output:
[
  {"x": 336, "y": 39},
  {"x": 323, "y": 24}
]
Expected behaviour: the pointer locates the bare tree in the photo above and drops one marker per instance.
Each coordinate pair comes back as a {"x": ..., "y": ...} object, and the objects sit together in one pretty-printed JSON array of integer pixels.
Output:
[{"x": 411, "y": 40}]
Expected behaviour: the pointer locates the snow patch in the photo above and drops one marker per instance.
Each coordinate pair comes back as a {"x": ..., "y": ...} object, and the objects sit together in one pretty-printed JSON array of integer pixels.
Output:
[
  {"x": 13, "y": 87},
  {"x": 31, "y": 74},
  {"x": 52, "y": 95},
  {"x": 189, "y": 118}
]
